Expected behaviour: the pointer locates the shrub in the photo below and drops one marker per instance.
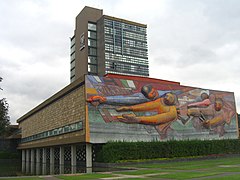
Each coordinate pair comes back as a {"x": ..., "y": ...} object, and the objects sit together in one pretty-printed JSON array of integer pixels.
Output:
[{"x": 117, "y": 151}]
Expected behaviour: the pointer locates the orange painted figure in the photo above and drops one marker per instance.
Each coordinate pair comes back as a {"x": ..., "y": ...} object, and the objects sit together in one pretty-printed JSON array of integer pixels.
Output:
[
  {"x": 214, "y": 116},
  {"x": 164, "y": 106}
]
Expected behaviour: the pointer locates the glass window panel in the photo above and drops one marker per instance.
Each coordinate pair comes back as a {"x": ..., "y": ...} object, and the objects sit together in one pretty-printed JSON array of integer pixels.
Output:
[
  {"x": 92, "y": 43},
  {"x": 73, "y": 56},
  {"x": 92, "y": 68},
  {"x": 73, "y": 41},
  {"x": 92, "y": 60},
  {"x": 73, "y": 72},
  {"x": 92, "y": 51},
  {"x": 66, "y": 129},
  {"x": 92, "y": 26},
  {"x": 79, "y": 125},
  {"x": 72, "y": 49},
  {"x": 92, "y": 34}
]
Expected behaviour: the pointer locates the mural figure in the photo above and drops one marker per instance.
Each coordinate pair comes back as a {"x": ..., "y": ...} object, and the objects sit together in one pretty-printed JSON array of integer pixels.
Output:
[
  {"x": 135, "y": 98},
  {"x": 212, "y": 117},
  {"x": 172, "y": 110},
  {"x": 201, "y": 101},
  {"x": 162, "y": 102}
]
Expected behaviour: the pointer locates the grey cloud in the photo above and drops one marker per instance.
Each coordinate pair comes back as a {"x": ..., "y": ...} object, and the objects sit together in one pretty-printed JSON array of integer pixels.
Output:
[{"x": 196, "y": 55}]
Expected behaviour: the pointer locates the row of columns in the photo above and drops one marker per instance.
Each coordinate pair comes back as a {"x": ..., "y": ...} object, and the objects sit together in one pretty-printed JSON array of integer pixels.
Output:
[{"x": 33, "y": 166}]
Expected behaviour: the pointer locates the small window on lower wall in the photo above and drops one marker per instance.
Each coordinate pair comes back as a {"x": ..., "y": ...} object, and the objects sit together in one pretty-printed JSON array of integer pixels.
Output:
[{"x": 54, "y": 132}]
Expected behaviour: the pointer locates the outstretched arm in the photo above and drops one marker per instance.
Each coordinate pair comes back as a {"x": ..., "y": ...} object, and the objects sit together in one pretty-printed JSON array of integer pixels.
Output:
[
  {"x": 213, "y": 122},
  {"x": 148, "y": 106},
  {"x": 96, "y": 100},
  {"x": 136, "y": 98},
  {"x": 151, "y": 120}
]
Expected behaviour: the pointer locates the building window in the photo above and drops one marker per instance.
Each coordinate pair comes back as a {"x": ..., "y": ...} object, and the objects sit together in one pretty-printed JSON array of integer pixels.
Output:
[
  {"x": 92, "y": 26},
  {"x": 73, "y": 71},
  {"x": 92, "y": 51},
  {"x": 73, "y": 64},
  {"x": 92, "y": 60},
  {"x": 92, "y": 68},
  {"x": 73, "y": 78},
  {"x": 54, "y": 132},
  {"x": 72, "y": 41},
  {"x": 73, "y": 49},
  {"x": 92, "y": 43},
  {"x": 72, "y": 57},
  {"x": 92, "y": 34},
  {"x": 82, "y": 41}
]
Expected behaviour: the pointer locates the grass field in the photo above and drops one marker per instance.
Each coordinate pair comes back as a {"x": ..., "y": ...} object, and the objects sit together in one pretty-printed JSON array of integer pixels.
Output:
[{"x": 220, "y": 168}]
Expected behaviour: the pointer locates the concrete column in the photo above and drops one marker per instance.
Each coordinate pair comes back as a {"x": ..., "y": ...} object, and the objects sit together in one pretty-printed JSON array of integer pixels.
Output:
[
  {"x": 37, "y": 161},
  {"x": 89, "y": 158},
  {"x": 23, "y": 161},
  {"x": 61, "y": 160},
  {"x": 32, "y": 161},
  {"x": 27, "y": 161},
  {"x": 51, "y": 160},
  {"x": 73, "y": 159},
  {"x": 44, "y": 161}
]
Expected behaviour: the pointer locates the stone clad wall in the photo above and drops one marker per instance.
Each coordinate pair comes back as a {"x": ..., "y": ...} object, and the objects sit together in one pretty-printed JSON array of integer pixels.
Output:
[{"x": 65, "y": 110}]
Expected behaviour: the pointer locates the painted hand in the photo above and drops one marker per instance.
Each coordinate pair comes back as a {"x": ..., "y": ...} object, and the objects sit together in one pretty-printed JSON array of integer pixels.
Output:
[
  {"x": 124, "y": 108},
  {"x": 129, "y": 119},
  {"x": 206, "y": 124},
  {"x": 96, "y": 100}
]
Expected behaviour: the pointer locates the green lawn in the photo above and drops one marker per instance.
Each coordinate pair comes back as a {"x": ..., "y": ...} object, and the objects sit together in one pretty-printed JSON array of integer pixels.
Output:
[
  {"x": 221, "y": 168},
  {"x": 86, "y": 176}
]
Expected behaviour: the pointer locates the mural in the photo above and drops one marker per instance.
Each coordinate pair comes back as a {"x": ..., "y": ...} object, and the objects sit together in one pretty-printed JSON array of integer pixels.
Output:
[{"x": 133, "y": 110}]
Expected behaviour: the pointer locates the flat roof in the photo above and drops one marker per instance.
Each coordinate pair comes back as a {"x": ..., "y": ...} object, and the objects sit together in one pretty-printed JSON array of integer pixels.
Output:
[
  {"x": 125, "y": 21},
  {"x": 141, "y": 78}
]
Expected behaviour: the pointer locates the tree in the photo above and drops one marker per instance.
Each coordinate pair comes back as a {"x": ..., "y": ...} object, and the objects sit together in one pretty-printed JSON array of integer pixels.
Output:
[
  {"x": 4, "y": 118},
  {"x": 0, "y": 81},
  {"x": 238, "y": 120}
]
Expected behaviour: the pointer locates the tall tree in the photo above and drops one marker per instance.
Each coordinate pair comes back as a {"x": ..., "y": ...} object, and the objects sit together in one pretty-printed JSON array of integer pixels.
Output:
[
  {"x": 0, "y": 81},
  {"x": 239, "y": 121},
  {"x": 4, "y": 118}
]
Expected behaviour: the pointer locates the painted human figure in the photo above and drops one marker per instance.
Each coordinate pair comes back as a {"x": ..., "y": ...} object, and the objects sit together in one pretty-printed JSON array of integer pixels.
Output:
[
  {"x": 136, "y": 98},
  {"x": 164, "y": 106},
  {"x": 213, "y": 116},
  {"x": 202, "y": 101},
  {"x": 150, "y": 99}
]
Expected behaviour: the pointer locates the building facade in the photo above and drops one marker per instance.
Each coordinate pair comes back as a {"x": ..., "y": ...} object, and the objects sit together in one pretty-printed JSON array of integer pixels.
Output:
[
  {"x": 103, "y": 44},
  {"x": 62, "y": 134}
]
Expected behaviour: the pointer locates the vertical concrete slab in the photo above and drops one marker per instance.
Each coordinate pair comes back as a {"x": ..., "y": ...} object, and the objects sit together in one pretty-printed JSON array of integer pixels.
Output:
[
  {"x": 37, "y": 161},
  {"x": 27, "y": 161},
  {"x": 23, "y": 161},
  {"x": 73, "y": 159},
  {"x": 32, "y": 161},
  {"x": 61, "y": 160},
  {"x": 51, "y": 160},
  {"x": 44, "y": 161},
  {"x": 88, "y": 158}
]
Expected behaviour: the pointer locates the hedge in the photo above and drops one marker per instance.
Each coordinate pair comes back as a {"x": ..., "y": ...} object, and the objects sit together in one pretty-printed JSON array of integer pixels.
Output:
[{"x": 117, "y": 151}]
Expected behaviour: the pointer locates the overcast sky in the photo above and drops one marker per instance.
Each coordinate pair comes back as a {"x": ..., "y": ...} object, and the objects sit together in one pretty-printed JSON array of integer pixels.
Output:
[{"x": 194, "y": 42}]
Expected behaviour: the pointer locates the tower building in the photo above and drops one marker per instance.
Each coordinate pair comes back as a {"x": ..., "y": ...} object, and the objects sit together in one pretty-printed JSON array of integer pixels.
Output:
[{"x": 104, "y": 44}]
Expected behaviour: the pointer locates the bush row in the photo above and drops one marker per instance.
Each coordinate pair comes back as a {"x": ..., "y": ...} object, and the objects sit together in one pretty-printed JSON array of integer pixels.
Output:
[{"x": 117, "y": 151}]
